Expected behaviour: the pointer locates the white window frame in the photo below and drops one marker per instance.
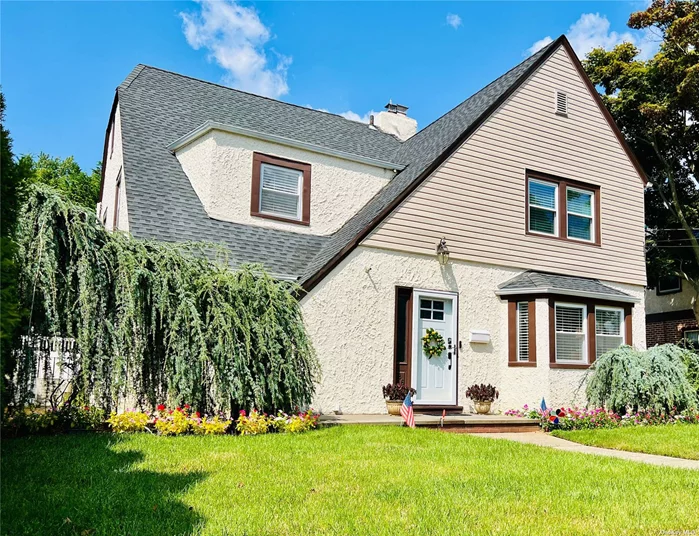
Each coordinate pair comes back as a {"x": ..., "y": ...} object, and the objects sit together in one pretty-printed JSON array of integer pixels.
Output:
[
  {"x": 591, "y": 217},
  {"x": 299, "y": 193},
  {"x": 586, "y": 357},
  {"x": 555, "y": 210},
  {"x": 521, "y": 359},
  {"x": 622, "y": 324}
]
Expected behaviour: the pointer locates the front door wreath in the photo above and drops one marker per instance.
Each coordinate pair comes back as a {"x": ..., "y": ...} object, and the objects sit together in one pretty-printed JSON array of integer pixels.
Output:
[{"x": 433, "y": 343}]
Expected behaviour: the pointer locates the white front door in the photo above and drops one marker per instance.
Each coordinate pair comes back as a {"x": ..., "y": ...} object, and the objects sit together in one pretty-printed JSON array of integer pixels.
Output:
[{"x": 434, "y": 378}]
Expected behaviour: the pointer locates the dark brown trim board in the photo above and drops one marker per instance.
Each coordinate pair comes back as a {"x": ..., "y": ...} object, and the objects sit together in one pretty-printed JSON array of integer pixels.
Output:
[
  {"x": 562, "y": 213},
  {"x": 403, "y": 331},
  {"x": 512, "y": 360},
  {"x": 257, "y": 160},
  {"x": 117, "y": 191},
  {"x": 112, "y": 114},
  {"x": 449, "y": 150},
  {"x": 591, "y": 329}
]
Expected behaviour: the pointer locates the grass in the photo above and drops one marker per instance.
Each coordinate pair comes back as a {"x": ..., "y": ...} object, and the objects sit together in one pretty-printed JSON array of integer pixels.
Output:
[
  {"x": 342, "y": 480},
  {"x": 680, "y": 441}
]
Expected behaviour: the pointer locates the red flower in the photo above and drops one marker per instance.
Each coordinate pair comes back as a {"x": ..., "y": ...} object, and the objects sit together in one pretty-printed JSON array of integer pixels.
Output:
[
  {"x": 198, "y": 414},
  {"x": 242, "y": 413},
  {"x": 178, "y": 409},
  {"x": 87, "y": 408},
  {"x": 161, "y": 407},
  {"x": 187, "y": 406}
]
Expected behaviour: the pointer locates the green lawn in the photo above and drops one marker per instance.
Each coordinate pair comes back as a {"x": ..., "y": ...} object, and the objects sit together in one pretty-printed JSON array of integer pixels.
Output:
[
  {"x": 344, "y": 480},
  {"x": 676, "y": 440}
]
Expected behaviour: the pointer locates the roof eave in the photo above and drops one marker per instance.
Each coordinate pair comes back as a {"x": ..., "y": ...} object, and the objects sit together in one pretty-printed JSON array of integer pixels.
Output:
[
  {"x": 568, "y": 292},
  {"x": 210, "y": 125}
]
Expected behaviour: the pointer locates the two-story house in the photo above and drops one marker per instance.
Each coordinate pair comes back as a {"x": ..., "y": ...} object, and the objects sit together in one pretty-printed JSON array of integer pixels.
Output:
[{"x": 513, "y": 225}]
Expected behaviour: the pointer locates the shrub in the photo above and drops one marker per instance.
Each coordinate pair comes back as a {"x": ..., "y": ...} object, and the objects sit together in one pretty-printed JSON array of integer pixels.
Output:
[
  {"x": 53, "y": 421},
  {"x": 129, "y": 421},
  {"x": 254, "y": 424},
  {"x": 627, "y": 380},
  {"x": 482, "y": 393},
  {"x": 211, "y": 426},
  {"x": 182, "y": 421},
  {"x": 296, "y": 423},
  {"x": 175, "y": 422},
  {"x": 396, "y": 391}
]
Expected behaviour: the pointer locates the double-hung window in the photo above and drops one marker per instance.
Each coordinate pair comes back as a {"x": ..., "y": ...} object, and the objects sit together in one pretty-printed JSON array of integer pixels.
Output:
[
  {"x": 609, "y": 329},
  {"x": 522, "y": 331},
  {"x": 543, "y": 207},
  {"x": 571, "y": 333},
  {"x": 562, "y": 208},
  {"x": 579, "y": 207},
  {"x": 280, "y": 189}
]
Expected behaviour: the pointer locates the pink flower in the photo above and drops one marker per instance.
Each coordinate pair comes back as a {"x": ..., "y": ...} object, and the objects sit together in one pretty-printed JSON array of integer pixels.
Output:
[{"x": 242, "y": 413}]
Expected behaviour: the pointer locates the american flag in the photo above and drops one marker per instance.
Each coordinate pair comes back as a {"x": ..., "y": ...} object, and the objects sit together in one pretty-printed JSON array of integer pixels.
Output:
[{"x": 406, "y": 411}]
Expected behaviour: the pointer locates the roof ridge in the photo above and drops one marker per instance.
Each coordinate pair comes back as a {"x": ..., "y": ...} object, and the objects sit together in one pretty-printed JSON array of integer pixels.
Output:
[{"x": 308, "y": 108}]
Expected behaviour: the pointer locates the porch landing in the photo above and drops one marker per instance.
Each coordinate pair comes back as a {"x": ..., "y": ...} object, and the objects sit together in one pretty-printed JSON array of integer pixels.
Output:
[{"x": 466, "y": 423}]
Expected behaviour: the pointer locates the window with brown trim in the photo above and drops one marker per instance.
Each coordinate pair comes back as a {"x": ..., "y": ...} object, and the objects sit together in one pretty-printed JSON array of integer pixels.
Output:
[
  {"x": 521, "y": 320},
  {"x": 562, "y": 208},
  {"x": 281, "y": 189},
  {"x": 582, "y": 330}
]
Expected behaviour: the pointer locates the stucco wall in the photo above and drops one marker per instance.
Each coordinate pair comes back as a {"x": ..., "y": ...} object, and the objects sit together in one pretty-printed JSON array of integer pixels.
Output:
[
  {"x": 219, "y": 165},
  {"x": 669, "y": 302},
  {"x": 350, "y": 318},
  {"x": 113, "y": 165}
]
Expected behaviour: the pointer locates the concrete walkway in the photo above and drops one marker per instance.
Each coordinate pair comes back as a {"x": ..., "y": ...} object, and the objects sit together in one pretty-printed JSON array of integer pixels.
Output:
[{"x": 542, "y": 439}]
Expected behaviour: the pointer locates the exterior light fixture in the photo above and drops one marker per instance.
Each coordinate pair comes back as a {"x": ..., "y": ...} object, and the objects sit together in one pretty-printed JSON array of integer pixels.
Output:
[{"x": 443, "y": 252}]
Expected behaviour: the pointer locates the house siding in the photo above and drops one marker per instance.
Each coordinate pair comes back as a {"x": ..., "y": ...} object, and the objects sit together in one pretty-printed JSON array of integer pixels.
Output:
[
  {"x": 476, "y": 199},
  {"x": 350, "y": 317},
  {"x": 219, "y": 166},
  {"x": 669, "y": 316}
]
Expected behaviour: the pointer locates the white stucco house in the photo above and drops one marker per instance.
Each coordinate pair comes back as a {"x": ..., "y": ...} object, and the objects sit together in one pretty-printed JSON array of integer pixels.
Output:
[{"x": 529, "y": 183}]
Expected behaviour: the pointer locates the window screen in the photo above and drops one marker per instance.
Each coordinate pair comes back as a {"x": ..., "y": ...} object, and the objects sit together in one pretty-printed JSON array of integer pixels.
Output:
[
  {"x": 579, "y": 210},
  {"x": 280, "y": 191},
  {"x": 609, "y": 325},
  {"x": 542, "y": 207},
  {"x": 570, "y": 333}
]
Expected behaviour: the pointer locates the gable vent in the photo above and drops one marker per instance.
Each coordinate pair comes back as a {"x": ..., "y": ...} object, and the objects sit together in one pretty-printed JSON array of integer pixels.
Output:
[{"x": 561, "y": 103}]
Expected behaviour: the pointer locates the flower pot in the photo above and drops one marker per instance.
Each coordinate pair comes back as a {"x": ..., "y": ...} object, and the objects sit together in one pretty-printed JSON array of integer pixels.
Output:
[
  {"x": 393, "y": 406},
  {"x": 482, "y": 407}
]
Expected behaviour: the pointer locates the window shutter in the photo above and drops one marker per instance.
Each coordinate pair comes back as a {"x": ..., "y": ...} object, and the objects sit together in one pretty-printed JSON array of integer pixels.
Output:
[
  {"x": 523, "y": 331},
  {"x": 570, "y": 333},
  {"x": 279, "y": 190}
]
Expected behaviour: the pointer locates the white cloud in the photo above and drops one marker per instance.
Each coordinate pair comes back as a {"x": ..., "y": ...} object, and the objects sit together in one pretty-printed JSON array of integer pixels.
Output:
[
  {"x": 349, "y": 114},
  {"x": 235, "y": 38},
  {"x": 453, "y": 20},
  {"x": 592, "y": 30}
]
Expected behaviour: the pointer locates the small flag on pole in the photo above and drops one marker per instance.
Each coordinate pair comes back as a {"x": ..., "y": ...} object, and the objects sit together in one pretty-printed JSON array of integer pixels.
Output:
[
  {"x": 543, "y": 405},
  {"x": 406, "y": 411}
]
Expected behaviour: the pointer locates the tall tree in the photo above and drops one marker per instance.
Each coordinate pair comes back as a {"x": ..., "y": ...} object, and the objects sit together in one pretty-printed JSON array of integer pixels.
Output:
[
  {"x": 655, "y": 102},
  {"x": 14, "y": 176},
  {"x": 66, "y": 176}
]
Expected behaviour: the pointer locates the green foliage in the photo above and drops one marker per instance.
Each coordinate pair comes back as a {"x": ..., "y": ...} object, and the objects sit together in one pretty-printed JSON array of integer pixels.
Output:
[
  {"x": 14, "y": 175},
  {"x": 67, "y": 418},
  {"x": 627, "y": 380},
  {"x": 128, "y": 422},
  {"x": 66, "y": 176},
  {"x": 655, "y": 102},
  {"x": 157, "y": 321}
]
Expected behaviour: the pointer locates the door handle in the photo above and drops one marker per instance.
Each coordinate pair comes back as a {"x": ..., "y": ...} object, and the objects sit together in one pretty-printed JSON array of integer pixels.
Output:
[{"x": 449, "y": 356}]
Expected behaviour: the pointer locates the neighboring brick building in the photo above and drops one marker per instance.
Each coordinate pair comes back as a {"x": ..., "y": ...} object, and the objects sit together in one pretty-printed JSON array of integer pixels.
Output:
[{"x": 669, "y": 315}]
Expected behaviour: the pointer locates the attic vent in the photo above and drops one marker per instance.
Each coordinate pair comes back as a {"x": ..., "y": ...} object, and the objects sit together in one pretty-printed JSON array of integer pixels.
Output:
[{"x": 561, "y": 103}]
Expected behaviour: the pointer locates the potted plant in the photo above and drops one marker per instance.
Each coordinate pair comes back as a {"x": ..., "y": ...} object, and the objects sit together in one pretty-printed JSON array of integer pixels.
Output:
[
  {"x": 395, "y": 393},
  {"x": 482, "y": 396}
]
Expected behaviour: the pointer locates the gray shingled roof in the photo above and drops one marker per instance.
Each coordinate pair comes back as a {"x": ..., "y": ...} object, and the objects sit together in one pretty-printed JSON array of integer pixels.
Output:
[
  {"x": 420, "y": 152},
  {"x": 158, "y": 107},
  {"x": 544, "y": 282}
]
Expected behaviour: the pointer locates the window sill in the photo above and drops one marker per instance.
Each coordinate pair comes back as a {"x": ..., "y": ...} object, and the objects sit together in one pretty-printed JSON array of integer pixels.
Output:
[
  {"x": 521, "y": 363},
  {"x": 564, "y": 239},
  {"x": 569, "y": 365},
  {"x": 279, "y": 218}
]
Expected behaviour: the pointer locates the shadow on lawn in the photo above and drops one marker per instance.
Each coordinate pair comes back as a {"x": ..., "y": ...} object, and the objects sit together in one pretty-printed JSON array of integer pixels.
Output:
[{"x": 78, "y": 484}]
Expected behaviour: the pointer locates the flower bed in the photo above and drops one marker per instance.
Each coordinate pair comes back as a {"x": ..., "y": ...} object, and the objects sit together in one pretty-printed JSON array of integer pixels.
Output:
[
  {"x": 53, "y": 421},
  {"x": 591, "y": 418}
]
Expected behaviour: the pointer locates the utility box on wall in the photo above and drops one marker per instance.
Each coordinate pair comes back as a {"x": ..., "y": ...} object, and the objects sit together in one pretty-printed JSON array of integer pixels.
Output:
[{"x": 479, "y": 336}]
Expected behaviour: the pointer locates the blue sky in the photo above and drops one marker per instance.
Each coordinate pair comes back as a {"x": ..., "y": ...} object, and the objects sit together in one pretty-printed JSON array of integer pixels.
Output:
[{"x": 61, "y": 61}]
